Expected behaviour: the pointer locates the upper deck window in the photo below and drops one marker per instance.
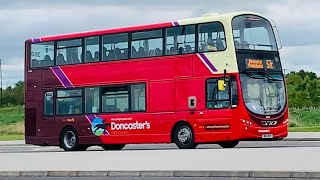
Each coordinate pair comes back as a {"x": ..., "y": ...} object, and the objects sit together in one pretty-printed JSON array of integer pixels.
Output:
[
  {"x": 211, "y": 37},
  {"x": 69, "y": 52},
  {"x": 253, "y": 33},
  {"x": 146, "y": 44},
  {"x": 115, "y": 47},
  {"x": 42, "y": 54},
  {"x": 180, "y": 40},
  {"x": 92, "y": 49}
]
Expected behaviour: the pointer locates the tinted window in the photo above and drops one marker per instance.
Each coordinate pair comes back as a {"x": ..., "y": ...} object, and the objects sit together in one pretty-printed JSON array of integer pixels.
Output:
[
  {"x": 48, "y": 103},
  {"x": 69, "y": 52},
  {"x": 146, "y": 44},
  {"x": 216, "y": 98},
  {"x": 69, "y": 93},
  {"x": 211, "y": 37},
  {"x": 253, "y": 32},
  {"x": 69, "y": 102},
  {"x": 42, "y": 54},
  {"x": 138, "y": 97},
  {"x": 92, "y": 100},
  {"x": 69, "y": 43},
  {"x": 234, "y": 91},
  {"x": 92, "y": 49},
  {"x": 115, "y": 47},
  {"x": 180, "y": 40},
  {"x": 115, "y": 99}
]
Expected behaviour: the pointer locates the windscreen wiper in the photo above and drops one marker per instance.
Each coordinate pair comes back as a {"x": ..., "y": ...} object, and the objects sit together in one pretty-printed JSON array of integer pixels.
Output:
[
  {"x": 251, "y": 75},
  {"x": 269, "y": 77}
]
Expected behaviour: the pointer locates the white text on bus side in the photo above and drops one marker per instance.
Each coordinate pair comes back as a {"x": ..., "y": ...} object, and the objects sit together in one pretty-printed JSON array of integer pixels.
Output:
[{"x": 130, "y": 126}]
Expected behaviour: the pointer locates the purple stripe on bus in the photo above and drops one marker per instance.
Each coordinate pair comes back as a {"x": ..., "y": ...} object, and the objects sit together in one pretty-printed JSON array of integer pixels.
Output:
[
  {"x": 105, "y": 132},
  {"x": 91, "y": 117},
  {"x": 175, "y": 23},
  {"x": 36, "y": 40},
  {"x": 208, "y": 62},
  {"x": 54, "y": 72},
  {"x": 66, "y": 83}
]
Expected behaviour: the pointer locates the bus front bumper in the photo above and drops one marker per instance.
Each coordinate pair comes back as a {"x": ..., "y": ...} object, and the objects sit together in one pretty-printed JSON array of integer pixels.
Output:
[{"x": 265, "y": 133}]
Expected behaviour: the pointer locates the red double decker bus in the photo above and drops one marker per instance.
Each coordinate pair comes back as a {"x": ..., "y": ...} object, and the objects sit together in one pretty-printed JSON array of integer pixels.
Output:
[{"x": 211, "y": 79}]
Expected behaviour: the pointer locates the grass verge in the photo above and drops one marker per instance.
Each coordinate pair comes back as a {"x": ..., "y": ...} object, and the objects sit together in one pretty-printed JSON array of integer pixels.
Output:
[
  {"x": 11, "y": 115},
  {"x": 11, "y": 137},
  {"x": 11, "y": 123},
  {"x": 304, "y": 117},
  {"x": 12, "y": 129},
  {"x": 304, "y": 129}
]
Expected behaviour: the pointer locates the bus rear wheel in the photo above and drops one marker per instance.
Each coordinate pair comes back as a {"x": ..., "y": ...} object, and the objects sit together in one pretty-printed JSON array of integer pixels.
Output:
[
  {"x": 69, "y": 140},
  {"x": 229, "y": 144},
  {"x": 113, "y": 147},
  {"x": 183, "y": 136}
]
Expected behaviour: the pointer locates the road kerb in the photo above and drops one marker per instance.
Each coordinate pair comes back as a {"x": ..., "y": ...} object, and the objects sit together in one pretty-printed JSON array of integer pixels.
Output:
[
  {"x": 270, "y": 174},
  {"x": 92, "y": 173},
  {"x": 34, "y": 173},
  {"x": 9, "y": 173},
  {"x": 315, "y": 175},
  {"x": 300, "y": 174},
  {"x": 63, "y": 173},
  {"x": 157, "y": 173},
  {"x": 193, "y": 173},
  {"x": 230, "y": 174},
  {"x": 124, "y": 173}
]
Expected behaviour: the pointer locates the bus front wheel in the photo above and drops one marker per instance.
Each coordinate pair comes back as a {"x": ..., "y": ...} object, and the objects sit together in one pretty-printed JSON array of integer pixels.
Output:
[
  {"x": 229, "y": 144},
  {"x": 183, "y": 136},
  {"x": 69, "y": 140}
]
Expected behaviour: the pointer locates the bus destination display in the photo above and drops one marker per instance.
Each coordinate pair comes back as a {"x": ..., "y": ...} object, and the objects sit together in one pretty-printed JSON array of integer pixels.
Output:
[{"x": 257, "y": 64}]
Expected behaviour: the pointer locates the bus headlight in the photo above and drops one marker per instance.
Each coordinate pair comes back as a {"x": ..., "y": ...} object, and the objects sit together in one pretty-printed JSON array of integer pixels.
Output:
[{"x": 246, "y": 122}]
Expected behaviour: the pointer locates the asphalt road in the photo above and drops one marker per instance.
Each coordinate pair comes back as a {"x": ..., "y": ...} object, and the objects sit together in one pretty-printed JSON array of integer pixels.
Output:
[
  {"x": 241, "y": 145},
  {"x": 139, "y": 178}
]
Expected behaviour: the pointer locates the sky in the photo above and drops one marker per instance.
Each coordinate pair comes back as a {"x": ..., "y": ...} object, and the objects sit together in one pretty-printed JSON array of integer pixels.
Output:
[{"x": 298, "y": 22}]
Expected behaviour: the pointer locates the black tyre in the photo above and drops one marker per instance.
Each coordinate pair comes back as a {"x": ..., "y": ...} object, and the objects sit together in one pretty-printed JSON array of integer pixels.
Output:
[
  {"x": 183, "y": 136},
  {"x": 69, "y": 140},
  {"x": 229, "y": 144},
  {"x": 113, "y": 147}
]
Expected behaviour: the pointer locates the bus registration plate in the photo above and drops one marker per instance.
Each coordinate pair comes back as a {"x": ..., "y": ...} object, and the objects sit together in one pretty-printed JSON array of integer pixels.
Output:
[{"x": 267, "y": 136}]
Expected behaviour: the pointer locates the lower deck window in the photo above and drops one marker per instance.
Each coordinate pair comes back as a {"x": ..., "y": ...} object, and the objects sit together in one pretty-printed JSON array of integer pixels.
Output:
[
  {"x": 138, "y": 97},
  {"x": 69, "y": 102},
  {"x": 129, "y": 98},
  {"x": 48, "y": 103},
  {"x": 92, "y": 100},
  {"x": 115, "y": 99},
  {"x": 110, "y": 99}
]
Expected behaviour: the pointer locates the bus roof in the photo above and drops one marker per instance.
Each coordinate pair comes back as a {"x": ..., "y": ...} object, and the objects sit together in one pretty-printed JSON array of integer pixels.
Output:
[{"x": 202, "y": 19}]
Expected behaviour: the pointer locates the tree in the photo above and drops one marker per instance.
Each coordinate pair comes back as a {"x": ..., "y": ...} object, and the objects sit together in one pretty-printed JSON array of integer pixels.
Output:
[
  {"x": 14, "y": 95},
  {"x": 303, "y": 89}
]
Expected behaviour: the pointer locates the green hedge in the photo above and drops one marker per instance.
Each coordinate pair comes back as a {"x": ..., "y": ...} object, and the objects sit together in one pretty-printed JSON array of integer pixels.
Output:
[{"x": 11, "y": 115}]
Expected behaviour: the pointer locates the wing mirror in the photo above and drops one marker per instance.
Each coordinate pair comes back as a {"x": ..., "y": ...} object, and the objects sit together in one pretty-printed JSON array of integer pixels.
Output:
[{"x": 221, "y": 85}]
